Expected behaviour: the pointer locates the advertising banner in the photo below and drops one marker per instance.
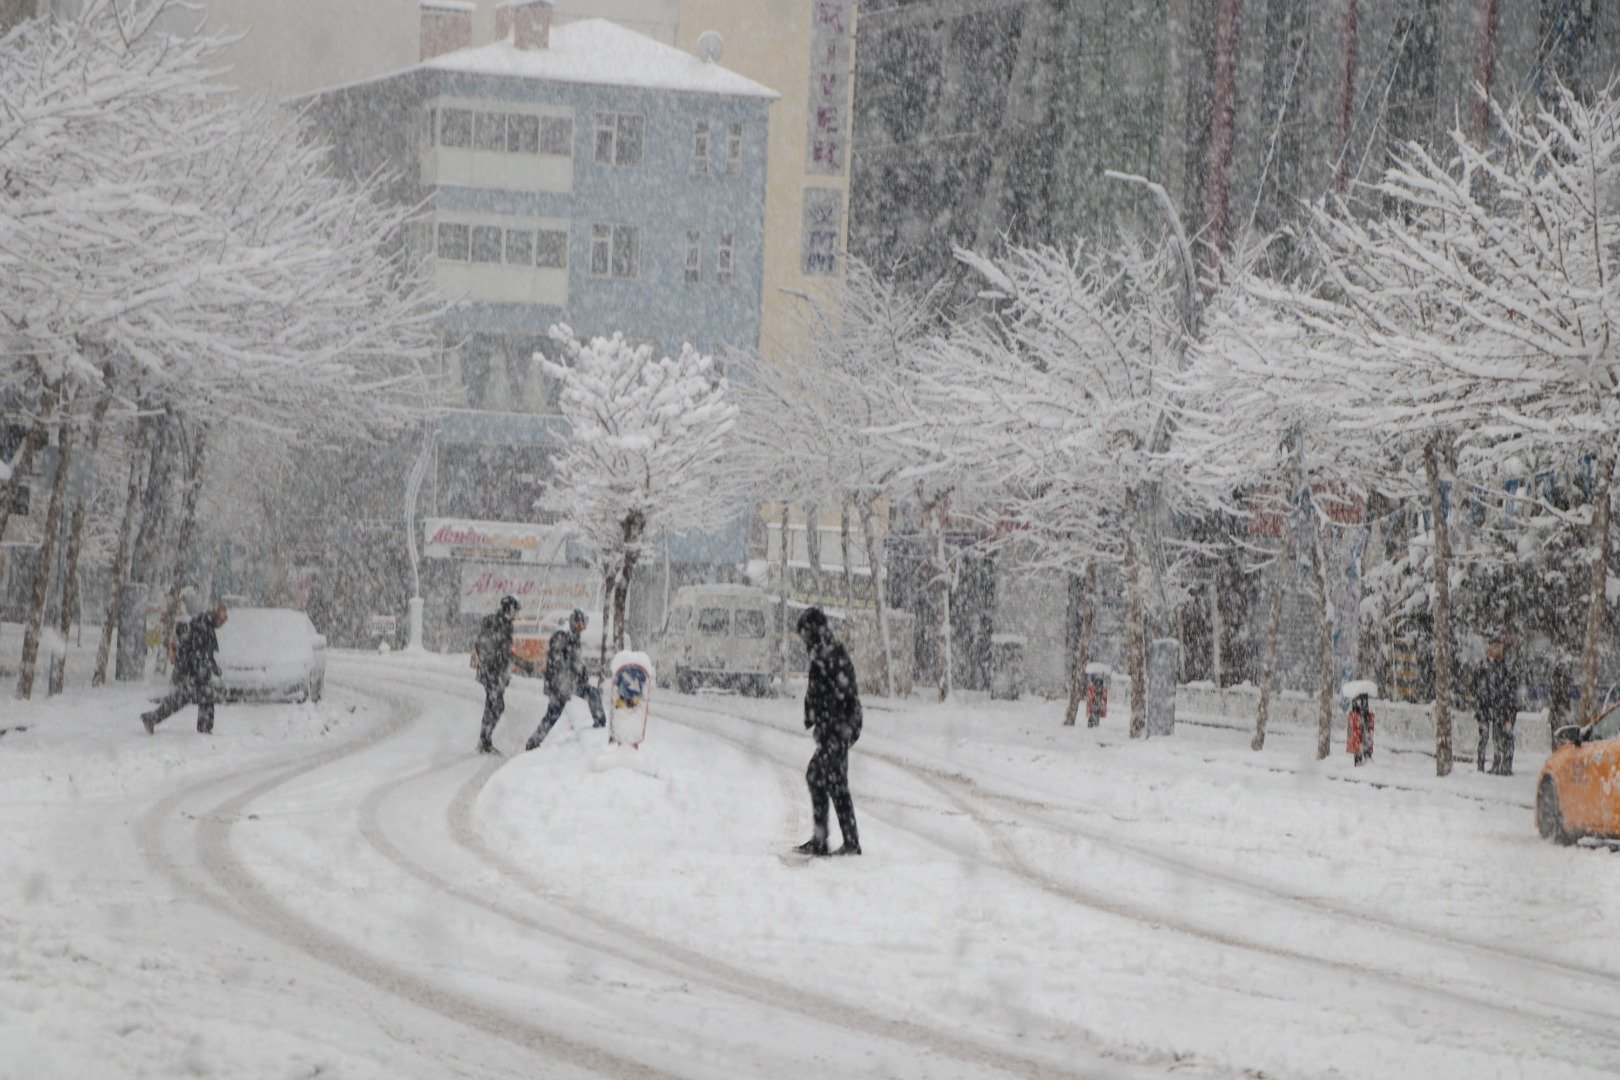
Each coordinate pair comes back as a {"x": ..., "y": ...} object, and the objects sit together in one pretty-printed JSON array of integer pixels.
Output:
[
  {"x": 538, "y": 588},
  {"x": 493, "y": 541}
]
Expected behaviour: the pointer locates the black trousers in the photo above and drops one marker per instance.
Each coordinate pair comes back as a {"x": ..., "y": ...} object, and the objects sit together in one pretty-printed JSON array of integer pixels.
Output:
[
  {"x": 1502, "y": 758},
  {"x": 183, "y": 695},
  {"x": 593, "y": 698},
  {"x": 1485, "y": 726},
  {"x": 494, "y": 706},
  {"x": 828, "y": 777}
]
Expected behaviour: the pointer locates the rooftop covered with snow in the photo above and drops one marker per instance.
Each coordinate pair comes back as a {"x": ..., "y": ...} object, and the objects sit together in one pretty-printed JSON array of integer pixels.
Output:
[{"x": 602, "y": 53}]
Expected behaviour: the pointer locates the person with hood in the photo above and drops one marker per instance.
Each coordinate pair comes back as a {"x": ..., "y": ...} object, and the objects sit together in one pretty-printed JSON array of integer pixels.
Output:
[
  {"x": 1360, "y": 743},
  {"x": 1496, "y": 706},
  {"x": 832, "y": 712},
  {"x": 566, "y": 677},
  {"x": 492, "y": 660},
  {"x": 196, "y": 665}
]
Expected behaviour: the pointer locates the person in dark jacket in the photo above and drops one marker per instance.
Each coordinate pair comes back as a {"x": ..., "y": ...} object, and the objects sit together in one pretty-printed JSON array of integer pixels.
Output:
[
  {"x": 492, "y": 659},
  {"x": 1560, "y": 694},
  {"x": 196, "y": 665},
  {"x": 832, "y": 712},
  {"x": 565, "y": 677},
  {"x": 1496, "y": 707}
]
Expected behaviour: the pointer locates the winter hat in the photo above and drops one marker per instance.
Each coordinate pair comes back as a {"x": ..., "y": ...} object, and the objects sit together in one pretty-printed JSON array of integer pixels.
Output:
[
  {"x": 813, "y": 619},
  {"x": 509, "y": 604},
  {"x": 579, "y": 617}
]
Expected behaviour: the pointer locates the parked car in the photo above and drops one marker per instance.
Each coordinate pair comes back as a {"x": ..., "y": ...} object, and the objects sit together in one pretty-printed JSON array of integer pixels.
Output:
[
  {"x": 271, "y": 653},
  {"x": 718, "y": 635},
  {"x": 531, "y": 640},
  {"x": 1578, "y": 793}
]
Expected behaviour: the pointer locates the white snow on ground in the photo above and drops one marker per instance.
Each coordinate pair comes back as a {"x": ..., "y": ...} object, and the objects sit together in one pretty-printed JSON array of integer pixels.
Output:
[{"x": 344, "y": 889}]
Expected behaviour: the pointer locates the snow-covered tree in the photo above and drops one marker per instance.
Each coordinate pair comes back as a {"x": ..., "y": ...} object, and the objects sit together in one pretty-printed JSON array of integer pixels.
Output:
[{"x": 646, "y": 451}]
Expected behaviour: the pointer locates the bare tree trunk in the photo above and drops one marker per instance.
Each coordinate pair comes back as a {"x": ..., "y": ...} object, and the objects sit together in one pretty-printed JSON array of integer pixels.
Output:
[
  {"x": 849, "y": 577},
  {"x": 1349, "y": 50},
  {"x": 188, "y": 533},
  {"x": 942, "y": 583},
  {"x": 1223, "y": 123},
  {"x": 786, "y": 593},
  {"x": 1442, "y": 614},
  {"x": 1485, "y": 66},
  {"x": 1268, "y": 668},
  {"x": 1082, "y": 648},
  {"x": 1324, "y": 646},
  {"x": 1135, "y": 645},
  {"x": 70, "y": 573},
  {"x": 143, "y": 570},
  {"x": 610, "y": 579},
  {"x": 126, "y": 542},
  {"x": 812, "y": 548},
  {"x": 1217, "y": 631},
  {"x": 621, "y": 594},
  {"x": 46, "y": 568},
  {"x": 1020, "y": 105},
  {"x": 1597, "y": 597},
  {"x": 875, "y": 569}
]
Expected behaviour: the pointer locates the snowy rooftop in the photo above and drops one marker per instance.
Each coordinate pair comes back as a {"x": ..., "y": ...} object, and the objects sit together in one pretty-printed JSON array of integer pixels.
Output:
[{"x": 599, "y": 52}]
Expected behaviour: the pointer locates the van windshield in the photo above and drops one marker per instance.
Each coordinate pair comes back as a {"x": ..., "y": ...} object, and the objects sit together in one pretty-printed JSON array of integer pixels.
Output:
[{"x": 751, "y": 624}]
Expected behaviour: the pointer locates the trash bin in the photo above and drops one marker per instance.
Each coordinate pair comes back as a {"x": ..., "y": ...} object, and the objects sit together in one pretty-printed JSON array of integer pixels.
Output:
[
  {"x": 1097, "y": 676},
  {"x": 1006, "y": 666}
]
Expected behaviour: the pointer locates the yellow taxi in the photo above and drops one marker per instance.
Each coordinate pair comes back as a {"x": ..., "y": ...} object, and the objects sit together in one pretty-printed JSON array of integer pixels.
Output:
[{"x": 1578, "y": 793}]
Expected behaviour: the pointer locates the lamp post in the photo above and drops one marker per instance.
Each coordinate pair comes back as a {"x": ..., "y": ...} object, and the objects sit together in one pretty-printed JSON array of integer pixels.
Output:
[{"x": 413, "y": 488}]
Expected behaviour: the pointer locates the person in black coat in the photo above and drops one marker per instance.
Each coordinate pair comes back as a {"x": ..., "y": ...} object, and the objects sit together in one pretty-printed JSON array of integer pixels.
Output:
[
  {"x": 492, "y": 660},
  {"x": 196, "y": 665},
  {"x": 1496, "y": 707},
  {"x": 565, "y": 677},
  {"x": 832, "y": 712}
]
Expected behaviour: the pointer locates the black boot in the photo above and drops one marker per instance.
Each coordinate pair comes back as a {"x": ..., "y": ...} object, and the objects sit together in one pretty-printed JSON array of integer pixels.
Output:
[
  {"x": 851, "y": 847},
  {"x": 150, "y": 722},
  {"x": 816, "y": 845}
]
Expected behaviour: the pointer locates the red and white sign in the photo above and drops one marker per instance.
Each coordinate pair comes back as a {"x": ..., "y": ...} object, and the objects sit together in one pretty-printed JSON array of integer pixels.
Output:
[
  {"x": 538, "y": 588},
  {"x": 493, "y": 541}
]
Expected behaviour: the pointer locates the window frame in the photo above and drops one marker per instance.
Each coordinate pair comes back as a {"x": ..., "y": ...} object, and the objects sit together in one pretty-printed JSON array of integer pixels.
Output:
[
  {"x": 449, "y": 115},
  {"x": 615, "y": 127},
  {"x": 528, "y": 235},
  {"x": 694, "y": 257},
  {"x": 725, "y": 259},
  {"x": 734, "y": 141},
  {"x": 700, "y": 148},
  {"x": 483, "y": 121},
  {"x": 754, "y": 615},
  {"x": 526, "y": 120},
  {"x": 480, "y": 234},
  {"x": 540, "y": 246},
  {"x": 707, "y": 628},
  {"x": 439, "y": 241}
]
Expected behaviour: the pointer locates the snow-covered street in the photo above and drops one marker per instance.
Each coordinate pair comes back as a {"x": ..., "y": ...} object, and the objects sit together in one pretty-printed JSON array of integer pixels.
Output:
[{"x": 344, "y": 889}]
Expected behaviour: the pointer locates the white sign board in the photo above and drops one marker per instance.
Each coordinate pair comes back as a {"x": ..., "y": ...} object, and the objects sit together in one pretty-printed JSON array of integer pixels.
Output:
[
  {"x": 384, "y": 626},
  {"x": 538, "y": 588},
  {"x": 493, "y": 541}
]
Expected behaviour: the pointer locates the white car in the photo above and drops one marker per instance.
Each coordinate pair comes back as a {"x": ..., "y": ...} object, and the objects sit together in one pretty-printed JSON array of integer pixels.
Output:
[{"x": 272, "y": 653}]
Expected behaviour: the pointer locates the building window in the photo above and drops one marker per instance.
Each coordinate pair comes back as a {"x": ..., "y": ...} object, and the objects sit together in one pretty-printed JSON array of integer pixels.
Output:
[
  {"x": 556, "y": 135},
  {"x": 551, "y": 250},
  {"x": 455, "y": 128},
  {"x": 734, "y": 151},
  {"x": 489, "y": 131},
  {"x": 694, "y": 257},
  {"x": 523, "y": 134},
  {"x": 700, "y": 148},
  {"x": 453, "y": 242},
  {"x": 486, "y": 244},
  {"x": 618, "y": 138},
  {"x": 725, "y": 264},
  {"x": 519, "y": 247},
  {"x": 615, "y": 251}
]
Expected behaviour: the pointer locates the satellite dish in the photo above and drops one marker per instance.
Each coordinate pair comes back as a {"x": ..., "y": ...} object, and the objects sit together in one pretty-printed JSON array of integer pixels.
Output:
[{"x": 710, "y": 46}]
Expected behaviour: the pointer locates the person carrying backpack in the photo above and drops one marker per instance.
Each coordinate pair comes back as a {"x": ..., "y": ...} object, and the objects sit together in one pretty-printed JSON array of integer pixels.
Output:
[
  {"x": 195, "y": 667},
  {"x": 832, "y": 713}
]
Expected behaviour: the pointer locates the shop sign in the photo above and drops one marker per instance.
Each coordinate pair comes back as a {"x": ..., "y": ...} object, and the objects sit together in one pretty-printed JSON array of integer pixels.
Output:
[
  {"x": 538, "y": 588},
  {"x": 493, "y": 541}
]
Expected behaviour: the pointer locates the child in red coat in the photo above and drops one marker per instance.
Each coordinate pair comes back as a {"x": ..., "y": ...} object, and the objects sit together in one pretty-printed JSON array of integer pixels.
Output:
[{"x": 1360, "y": 742}]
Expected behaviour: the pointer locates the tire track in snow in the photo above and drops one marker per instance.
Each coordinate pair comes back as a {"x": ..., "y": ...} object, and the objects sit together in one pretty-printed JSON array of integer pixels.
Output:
[
  {"x": 258, "y": 907},
  {"x": 653, "y": 952},
  {"x": 1012, "y": 862}
]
